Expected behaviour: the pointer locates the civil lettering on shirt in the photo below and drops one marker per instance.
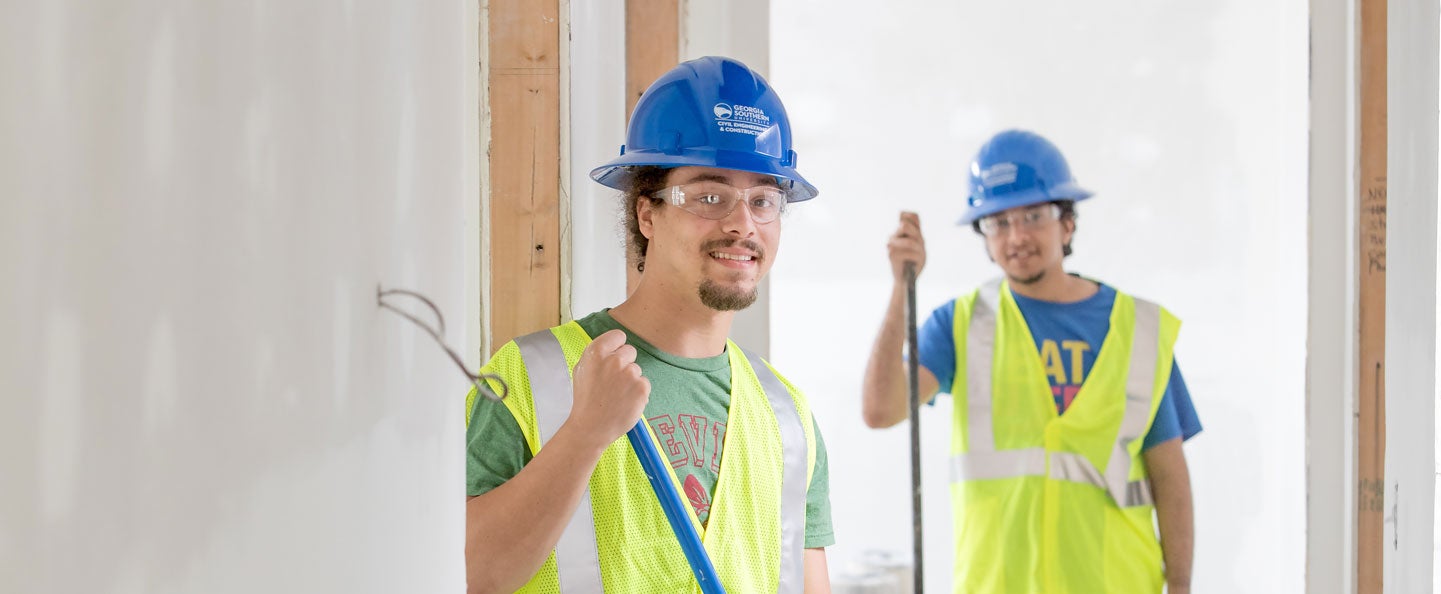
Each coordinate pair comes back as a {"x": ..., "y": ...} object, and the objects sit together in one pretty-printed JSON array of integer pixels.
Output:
[
  {"x": 692, "y": 444},
  {"x": 690, "y": 440},
  {"x": 1064, "y": 364}
]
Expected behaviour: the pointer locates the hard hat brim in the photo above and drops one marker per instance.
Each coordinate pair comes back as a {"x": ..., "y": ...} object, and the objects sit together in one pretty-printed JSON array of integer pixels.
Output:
[{"x": 617, "y": 173}]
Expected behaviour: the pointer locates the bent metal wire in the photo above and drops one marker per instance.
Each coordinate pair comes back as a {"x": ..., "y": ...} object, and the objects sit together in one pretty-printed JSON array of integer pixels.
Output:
[{"x": 481, "y": 381}]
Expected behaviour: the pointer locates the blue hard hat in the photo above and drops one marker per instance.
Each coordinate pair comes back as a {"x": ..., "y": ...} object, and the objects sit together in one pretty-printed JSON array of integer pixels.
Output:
[
  {"x": 709, "y": 112},
  {"x": 1018, "y": 168}
]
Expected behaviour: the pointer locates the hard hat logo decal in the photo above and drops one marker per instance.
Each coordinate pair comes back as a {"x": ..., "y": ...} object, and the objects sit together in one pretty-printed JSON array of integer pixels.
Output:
[
  {"x": 998, "y": 175},
  {"x": 742, "y": 119}
]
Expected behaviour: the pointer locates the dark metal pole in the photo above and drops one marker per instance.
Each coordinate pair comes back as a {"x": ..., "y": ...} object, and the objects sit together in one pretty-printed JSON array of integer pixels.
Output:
[{"x": 913, "y": 360}]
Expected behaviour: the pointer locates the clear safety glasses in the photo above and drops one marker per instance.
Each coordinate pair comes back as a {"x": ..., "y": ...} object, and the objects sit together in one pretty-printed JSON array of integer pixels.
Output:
[
  {"x": 716, "y": 201},
  {"x": 1024, "y": 220}
]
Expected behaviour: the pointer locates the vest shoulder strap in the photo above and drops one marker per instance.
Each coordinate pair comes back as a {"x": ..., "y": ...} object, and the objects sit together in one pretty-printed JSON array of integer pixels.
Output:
[{"x": 577, "y": 556}]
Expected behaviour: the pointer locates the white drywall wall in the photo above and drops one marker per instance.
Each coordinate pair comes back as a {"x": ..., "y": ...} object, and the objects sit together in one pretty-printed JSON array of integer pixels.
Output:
[
  {"x": 596, "y": 131},
  {"x": 199, "y": 199},
  {"x": 1189, "y": 121},
  {"x": 1410, "y": 261},
  {"x": 1331, "y": 316}
]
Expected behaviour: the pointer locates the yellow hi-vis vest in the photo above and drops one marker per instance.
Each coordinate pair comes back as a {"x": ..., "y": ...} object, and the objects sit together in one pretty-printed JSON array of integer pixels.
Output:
[
  {"x": 618, "y": 539},
  {"x": 1047, "y": 503}
]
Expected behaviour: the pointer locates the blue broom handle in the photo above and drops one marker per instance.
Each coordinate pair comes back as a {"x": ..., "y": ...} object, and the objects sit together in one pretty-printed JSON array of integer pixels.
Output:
[{"x": 675, "y": 511}]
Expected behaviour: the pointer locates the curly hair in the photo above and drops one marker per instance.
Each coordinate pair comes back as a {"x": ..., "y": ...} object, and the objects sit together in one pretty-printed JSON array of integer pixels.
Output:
[{"x": 645, "y": 182}]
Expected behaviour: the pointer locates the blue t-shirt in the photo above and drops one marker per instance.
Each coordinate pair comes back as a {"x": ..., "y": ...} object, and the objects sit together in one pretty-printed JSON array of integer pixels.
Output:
[{"x": 1068, "y": 336}]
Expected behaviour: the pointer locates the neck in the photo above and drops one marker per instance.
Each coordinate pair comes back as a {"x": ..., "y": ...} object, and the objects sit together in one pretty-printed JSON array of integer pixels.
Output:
[
  {"x": 673, "y": 321},
  {"x": 1055, "y": 286}
]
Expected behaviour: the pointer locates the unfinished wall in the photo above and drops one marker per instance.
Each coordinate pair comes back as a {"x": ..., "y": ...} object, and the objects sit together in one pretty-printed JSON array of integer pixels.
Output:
[
  {"x": 199, "y": 393},
  {"x": 596, "y": 115},
  {"x": 1410, "y": 259},
  {"x": 1331, "y": 308}
]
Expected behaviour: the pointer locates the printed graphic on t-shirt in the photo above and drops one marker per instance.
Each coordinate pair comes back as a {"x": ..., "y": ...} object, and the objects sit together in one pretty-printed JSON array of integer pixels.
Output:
[
  {"x": 1065, "y": 368},
  {"x": 699, "y": 498},
  {"x": 692, "y": 443}
]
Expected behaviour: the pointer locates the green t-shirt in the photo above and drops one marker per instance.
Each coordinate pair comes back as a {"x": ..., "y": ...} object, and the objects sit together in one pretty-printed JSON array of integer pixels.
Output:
[{"x": 688, "y": 408}]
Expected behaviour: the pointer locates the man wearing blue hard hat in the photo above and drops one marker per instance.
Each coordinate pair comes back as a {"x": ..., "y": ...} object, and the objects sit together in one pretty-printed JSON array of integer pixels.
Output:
[
  {"x": 1070, "y": 409},
  {"x": 558, "y": 501}
]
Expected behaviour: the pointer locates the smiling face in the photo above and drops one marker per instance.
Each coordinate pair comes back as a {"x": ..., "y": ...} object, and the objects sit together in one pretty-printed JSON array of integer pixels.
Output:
[
  {"x": 721, "y": 262},
  {"x": 1028, "y": 242}
]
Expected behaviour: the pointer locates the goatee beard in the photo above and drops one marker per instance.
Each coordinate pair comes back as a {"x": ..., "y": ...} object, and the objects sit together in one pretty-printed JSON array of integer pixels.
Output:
[
  {"x": 1030, "y": 280},
  {"x": 718, "y": 298}
]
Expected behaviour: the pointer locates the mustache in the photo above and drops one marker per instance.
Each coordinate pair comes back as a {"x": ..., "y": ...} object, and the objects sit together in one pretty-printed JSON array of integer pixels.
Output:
[{"x": 716, "y": 244}]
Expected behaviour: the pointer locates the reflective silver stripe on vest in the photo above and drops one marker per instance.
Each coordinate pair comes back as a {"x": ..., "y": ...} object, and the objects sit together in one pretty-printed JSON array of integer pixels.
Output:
[
  {"x": 1002, "y": 464},
  {"x": 577, "y": 558},
  {"x": 1075, "y": 468},
  {"x": 793, "y": 476},
  {"x": 1065, "y": 466},
  {"x": 1140, "y": 385},
  {"x": 980, "y": 361},
  {"x": 982, "y": 461},
  {"x": 1069, "y": 466}
]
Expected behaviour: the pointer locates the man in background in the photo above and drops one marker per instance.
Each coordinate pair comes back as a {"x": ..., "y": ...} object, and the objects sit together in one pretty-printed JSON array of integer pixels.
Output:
[{"x": 1070, "y": 410}]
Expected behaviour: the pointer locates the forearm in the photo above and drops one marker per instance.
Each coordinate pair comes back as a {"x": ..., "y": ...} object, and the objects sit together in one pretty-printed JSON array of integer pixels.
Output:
[
  {"x": 818, "y": 580},
  {"x": 884, "y": 393},
  {"x": 1171, "y": 487},
  {"x": 511, "y": 529},
  {"x": 1177, "y": 539}
]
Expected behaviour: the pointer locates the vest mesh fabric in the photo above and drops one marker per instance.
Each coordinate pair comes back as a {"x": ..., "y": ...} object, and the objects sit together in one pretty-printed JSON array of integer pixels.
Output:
[{"x": 637, "y": 548}]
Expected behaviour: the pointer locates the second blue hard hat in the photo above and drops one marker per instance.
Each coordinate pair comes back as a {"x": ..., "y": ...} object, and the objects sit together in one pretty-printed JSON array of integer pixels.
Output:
[{"x": 1018, "y": 168}]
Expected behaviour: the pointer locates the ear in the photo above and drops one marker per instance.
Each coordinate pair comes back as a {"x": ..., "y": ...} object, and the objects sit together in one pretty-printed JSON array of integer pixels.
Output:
[
  {"x": 645, "y": 213},
  {"x": 1068, "y": 230}
]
